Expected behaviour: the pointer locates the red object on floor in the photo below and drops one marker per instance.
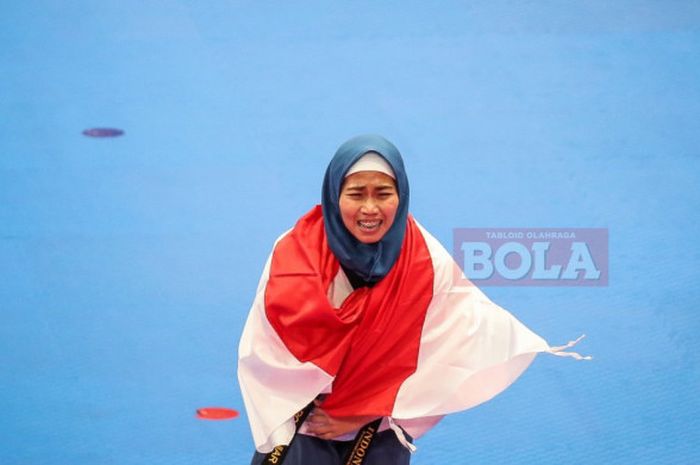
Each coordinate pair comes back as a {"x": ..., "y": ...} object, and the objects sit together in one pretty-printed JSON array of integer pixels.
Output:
[{"x": 216, "y": 413}]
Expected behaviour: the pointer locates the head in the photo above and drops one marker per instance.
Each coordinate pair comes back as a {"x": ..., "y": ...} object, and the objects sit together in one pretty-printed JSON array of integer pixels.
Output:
[
  {"x": 369, "y": 199},
  {"x": 365, "y": 205}
]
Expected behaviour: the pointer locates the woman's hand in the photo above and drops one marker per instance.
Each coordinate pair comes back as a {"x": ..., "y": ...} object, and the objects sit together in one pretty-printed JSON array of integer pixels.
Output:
[{"x": 327, "y": 427}]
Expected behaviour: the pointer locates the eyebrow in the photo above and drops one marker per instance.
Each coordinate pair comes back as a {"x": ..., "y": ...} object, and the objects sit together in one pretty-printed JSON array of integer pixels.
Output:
[{"x": 359, "y": 187}]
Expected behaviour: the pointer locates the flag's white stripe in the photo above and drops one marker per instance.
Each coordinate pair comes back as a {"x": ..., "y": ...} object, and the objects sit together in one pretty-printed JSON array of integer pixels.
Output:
[
  {"x": 472, "y": 346},
  {"x": 275, "y": 385}
]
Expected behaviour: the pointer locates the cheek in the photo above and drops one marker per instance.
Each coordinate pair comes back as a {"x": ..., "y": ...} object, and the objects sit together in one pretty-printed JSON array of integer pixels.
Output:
[
  {"x": 347, "y": 212},
  {"x": 390, "y": 212}
]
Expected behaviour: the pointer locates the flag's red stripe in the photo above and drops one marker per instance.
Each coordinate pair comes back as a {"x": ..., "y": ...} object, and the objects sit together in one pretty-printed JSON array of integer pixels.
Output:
[{"x": 371, "y": 343}]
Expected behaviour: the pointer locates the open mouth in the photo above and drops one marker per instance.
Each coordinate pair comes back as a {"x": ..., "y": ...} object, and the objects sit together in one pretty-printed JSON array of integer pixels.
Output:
[{"x": 369, "y": 225}]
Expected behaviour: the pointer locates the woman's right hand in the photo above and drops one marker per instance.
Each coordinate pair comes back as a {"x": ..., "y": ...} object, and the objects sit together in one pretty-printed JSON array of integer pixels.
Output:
[{"x": 323, "y": 425}]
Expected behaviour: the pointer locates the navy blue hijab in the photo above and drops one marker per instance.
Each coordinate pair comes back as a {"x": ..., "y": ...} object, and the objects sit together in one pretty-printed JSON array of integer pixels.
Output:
[{"x": 371, "y": 262}]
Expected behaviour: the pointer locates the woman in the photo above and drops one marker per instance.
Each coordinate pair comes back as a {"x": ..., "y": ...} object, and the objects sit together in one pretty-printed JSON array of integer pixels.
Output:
[{"x": 358, "y": 334}]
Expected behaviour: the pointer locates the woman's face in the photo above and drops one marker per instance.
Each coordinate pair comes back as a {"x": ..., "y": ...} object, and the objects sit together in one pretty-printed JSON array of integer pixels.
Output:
[{"x": 368, "y": 204}]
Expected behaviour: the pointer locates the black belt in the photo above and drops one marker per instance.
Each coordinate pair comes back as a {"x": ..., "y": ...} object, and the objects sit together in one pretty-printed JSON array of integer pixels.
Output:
[
  {"x": 355, "y": 456},
  {"x": 363, "y": 440},
  {"x": 276, "y": 457}
]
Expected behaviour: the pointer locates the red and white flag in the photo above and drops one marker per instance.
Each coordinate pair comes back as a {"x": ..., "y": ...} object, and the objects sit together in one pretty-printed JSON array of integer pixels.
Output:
[{"x": 412, "y": 348}]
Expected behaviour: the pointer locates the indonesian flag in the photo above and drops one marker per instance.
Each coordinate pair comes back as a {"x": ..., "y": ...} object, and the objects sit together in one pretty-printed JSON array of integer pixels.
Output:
[{"x": 412, "y": 348}]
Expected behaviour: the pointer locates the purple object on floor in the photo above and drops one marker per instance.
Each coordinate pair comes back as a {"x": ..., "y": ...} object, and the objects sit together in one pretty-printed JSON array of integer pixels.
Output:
[{"x": 103, "y": 132}]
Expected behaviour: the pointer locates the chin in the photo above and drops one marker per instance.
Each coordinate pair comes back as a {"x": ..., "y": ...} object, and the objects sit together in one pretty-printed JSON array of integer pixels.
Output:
[{"x": 369, "y": 239}]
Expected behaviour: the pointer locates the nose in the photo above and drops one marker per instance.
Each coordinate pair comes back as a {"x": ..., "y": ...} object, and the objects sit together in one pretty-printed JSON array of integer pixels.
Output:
[{"x": 369, "y": 207}]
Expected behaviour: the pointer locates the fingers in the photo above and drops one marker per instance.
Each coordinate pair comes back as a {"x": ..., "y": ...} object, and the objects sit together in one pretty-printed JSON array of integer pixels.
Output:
[
  {"x": 317, "y": 415},
  {"x": 323, "y": 425},
  {"x": 318, "y": 422}
]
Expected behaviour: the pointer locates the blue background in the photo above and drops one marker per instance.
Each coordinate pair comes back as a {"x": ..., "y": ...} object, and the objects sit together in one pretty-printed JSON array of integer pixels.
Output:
[{"x": 127, "y": 265}]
